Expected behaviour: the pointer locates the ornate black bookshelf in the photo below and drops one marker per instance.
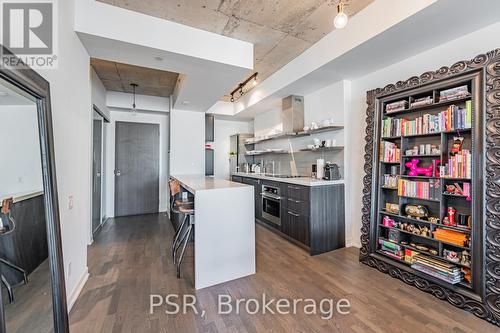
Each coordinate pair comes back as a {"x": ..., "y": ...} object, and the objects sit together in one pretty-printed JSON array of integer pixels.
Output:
[{"x": 477, "y": 287}]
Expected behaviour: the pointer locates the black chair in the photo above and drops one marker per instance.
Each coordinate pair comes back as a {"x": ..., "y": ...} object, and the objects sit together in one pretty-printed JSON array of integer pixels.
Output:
[
  {"x": 7, "y": 226},
  {"x": 186, "y": 231},
  {"x": 175, "y": 207}
]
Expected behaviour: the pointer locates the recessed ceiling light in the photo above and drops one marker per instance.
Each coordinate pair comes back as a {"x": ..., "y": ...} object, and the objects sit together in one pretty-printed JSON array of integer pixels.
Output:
[
  {"x": 158, "y": 58},
  {"x": 3, "y": 94},
  {"x": 185, "y": 102}
]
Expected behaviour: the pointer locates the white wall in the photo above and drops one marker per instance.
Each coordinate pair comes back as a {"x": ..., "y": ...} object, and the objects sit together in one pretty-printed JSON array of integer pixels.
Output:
[
  {"x": 21, "y": 163},
  {"x": 187, "y": 142},
  {"x": 223, "y": 130},
  {"x": 463, "y": 48},
  {"x": 71, "y": 99},
  {"x": 140, "y": 117}
]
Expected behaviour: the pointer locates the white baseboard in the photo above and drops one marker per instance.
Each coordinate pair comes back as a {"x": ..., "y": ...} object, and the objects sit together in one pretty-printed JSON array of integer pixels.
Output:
[{"x": 73, "y": 296}]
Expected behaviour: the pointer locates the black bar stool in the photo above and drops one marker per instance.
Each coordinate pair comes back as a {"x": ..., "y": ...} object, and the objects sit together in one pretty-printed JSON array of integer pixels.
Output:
[
  {"x": 175, "y": 205},
  {"x": 4, "y": 231},
  {"x": 186, "y": 232}
]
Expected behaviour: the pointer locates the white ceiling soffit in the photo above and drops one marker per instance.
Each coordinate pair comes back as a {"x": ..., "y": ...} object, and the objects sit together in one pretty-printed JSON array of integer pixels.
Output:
[
  {"x": 209, "y": 64},
  {"x": 384, "y": 33}
]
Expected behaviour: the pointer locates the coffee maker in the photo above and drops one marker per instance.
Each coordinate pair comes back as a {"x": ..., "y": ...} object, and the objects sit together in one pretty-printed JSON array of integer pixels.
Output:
[{"x": 332, "y": 171}]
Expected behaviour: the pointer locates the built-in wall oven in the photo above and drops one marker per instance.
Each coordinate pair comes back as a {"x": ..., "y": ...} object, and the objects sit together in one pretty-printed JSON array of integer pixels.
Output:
[{"x": 271, "y": 204}]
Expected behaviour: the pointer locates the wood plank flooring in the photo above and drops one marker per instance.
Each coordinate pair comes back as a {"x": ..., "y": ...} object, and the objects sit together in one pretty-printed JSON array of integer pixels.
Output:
[{"x": 130, "y": 260}]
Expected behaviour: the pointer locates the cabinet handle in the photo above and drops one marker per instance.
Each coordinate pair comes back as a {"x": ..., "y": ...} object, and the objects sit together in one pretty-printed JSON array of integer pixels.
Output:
[
  {"x": 296, "y": 201},
  {"x": 293, "y": 214},
  {"x": 293, "y": 187}
]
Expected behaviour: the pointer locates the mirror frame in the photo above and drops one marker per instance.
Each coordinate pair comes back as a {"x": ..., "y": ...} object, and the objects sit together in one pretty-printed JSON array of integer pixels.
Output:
[{"x": 35, "y": 85}]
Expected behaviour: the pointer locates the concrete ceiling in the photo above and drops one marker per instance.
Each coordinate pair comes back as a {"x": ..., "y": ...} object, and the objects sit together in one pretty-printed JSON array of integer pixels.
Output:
[
  {"x": 280, "y": 30},
  {"x": 425, "y": 29},
  {"x": 118, "y": 77}
]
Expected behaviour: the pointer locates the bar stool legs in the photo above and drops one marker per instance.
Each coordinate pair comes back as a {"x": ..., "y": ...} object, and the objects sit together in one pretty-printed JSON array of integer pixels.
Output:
[
  {"x": 175, "y": 245},
  {"x": 185, "y": 240}
]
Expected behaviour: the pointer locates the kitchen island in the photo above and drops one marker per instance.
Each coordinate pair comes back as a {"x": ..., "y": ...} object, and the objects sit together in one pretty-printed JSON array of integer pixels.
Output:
[{"x": 224, "y": 237}]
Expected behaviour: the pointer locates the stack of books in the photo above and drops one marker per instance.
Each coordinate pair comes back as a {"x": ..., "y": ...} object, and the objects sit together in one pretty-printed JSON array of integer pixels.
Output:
[
  {"x": 453, "y": 118},
  {"x": 453, "y": 93},
  {"x": 437, "y": 268},
  {"x": 417, "y": 189},
  {"x": 459, "y": 166},
  {"x": 450, "y": 236},
  {"x": 421, "y": 101},
  {"x": 396, "y": 106},
  {"x": 391, "y": 249},
  {"x": 389, "y": 152}
]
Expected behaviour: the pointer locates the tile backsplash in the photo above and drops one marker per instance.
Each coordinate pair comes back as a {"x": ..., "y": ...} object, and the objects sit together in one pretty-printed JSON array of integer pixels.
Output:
[{"x": 303, "y": 159}]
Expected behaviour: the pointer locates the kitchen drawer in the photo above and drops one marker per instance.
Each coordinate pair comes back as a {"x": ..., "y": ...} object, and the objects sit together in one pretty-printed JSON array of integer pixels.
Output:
[
  {"x": 251, "y": 181},
  {"x": 297, "y": 192},
  {"x": 237, "y": 179},
  {"x": 297, "y": 206},
  {"x": 298, "y": 227}
]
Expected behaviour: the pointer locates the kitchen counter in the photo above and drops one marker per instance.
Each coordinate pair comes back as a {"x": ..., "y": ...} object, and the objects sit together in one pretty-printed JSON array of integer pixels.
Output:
[
  {"x": 304, "y": 181},
  {"x": 196, "y": 183},
  {"x": 224, "y": 234}
]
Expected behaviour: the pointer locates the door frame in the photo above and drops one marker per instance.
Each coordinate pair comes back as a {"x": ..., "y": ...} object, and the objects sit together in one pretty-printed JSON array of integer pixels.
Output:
[{"x": 105, "y": 119}]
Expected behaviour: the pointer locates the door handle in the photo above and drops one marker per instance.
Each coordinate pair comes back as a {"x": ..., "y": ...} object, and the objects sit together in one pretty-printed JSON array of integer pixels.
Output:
[
  {"x": 118, "y": 173},
  {"x": 293, "y": 214}
]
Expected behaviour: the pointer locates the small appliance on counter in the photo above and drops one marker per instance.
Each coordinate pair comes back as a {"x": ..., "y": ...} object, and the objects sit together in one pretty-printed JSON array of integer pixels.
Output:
[
  {"x": 314, "y": 171},
  {"x": 320, "y": 168},
  {"x": 332, "y": 171}
]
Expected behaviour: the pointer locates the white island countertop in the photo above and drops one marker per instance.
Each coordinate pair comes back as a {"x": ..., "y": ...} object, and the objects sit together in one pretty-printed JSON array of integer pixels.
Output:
[
  {"x": 224, "y": 238},
  {"x": 195, "y": 183},
  {"x": 304, "y": 181}
]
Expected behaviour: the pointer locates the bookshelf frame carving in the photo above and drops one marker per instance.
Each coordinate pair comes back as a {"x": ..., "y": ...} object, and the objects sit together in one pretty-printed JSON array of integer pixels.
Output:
[{"x": 486, "y": 305}]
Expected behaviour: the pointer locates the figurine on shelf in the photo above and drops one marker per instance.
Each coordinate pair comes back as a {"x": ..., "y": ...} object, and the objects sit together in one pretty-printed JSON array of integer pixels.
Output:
[
  {"x": 388, "y": 222},
  {"x": 451, "y": 256},
  {"x": 433, "y": 219},
  {"x": 451, "y": 216},
  {"x": 457, "y": 145},
  {"x": 416, "y": 211},
  {"x": 417, "y": 171},
  {"x": 466, "y": 258}
]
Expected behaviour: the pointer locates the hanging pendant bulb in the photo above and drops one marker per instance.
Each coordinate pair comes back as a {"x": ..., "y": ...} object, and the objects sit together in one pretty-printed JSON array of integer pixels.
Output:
[
  {"x": 134, "y": 110},
  {"x": 341, "y": 19}
]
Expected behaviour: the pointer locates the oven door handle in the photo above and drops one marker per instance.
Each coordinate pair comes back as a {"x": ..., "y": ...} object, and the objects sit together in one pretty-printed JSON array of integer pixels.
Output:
[{"x": 272, "y": 197}]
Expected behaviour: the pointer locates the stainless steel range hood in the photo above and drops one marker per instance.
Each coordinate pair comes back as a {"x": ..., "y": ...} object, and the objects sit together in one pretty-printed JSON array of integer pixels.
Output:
[{"x": 292, "y": 114}]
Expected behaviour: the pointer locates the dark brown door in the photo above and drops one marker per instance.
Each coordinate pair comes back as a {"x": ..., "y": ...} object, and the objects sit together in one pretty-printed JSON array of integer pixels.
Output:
[{"x": 137, "y": 165}]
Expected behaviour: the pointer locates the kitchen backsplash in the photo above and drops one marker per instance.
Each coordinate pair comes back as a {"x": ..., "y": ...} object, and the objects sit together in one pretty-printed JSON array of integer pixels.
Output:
[{"x": 303, "y": 159}]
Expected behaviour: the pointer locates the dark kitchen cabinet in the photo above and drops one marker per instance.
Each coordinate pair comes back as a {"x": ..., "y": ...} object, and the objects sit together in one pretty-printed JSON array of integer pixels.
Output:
[
  {"x": 237, "y": 179},
  {"x": 312, "y": 217},
  {"x": 257, "y": 190}
]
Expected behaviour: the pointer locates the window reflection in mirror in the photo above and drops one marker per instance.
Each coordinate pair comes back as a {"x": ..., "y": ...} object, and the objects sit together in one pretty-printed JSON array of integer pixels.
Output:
[{"x": 24, "y": 264}]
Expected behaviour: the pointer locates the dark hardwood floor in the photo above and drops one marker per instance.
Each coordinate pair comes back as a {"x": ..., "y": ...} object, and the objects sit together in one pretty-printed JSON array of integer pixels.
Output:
[{"x": 130, "y": 260}]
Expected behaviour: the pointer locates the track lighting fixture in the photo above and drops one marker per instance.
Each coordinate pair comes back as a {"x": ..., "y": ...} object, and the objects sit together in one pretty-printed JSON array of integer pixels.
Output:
[
  {"x": 341, "y": 19},
  {"x": 242, "y": 85}
]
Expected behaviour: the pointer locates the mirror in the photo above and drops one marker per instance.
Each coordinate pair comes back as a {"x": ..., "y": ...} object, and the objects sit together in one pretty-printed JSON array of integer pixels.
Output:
[
  {"x": 24, "y": 257},
  {"x": 32, "y": 287}
]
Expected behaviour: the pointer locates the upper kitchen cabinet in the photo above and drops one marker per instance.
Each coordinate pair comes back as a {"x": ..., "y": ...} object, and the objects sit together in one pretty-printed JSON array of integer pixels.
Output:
[{"x": 209, "y": 129}]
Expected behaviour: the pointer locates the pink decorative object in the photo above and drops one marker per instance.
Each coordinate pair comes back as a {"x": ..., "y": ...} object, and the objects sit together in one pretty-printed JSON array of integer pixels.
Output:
[
  {"x": 388, "y": 222},
  {"x": 416, "y": 171}
]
